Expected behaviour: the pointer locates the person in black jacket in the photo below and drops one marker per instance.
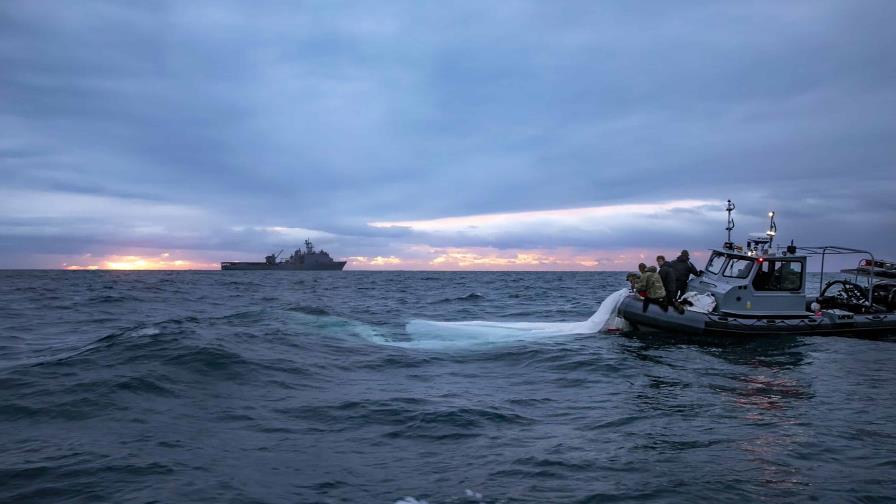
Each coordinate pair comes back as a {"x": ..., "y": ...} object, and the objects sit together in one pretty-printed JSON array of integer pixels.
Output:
[
  {"x": 667, "y": 274},
  {"x": 683, "y": 269}
]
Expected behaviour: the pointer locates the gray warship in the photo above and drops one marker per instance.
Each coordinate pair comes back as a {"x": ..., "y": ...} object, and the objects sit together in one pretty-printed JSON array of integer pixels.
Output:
[{"x": 300, "y": 260}]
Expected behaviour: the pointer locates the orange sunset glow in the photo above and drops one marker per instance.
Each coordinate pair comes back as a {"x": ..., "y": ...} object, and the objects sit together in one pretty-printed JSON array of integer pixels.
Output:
[
  {"x": 137, "y": 263},
  {"x": 490, "y": 259},
  {"x": 419, "y": 257}
]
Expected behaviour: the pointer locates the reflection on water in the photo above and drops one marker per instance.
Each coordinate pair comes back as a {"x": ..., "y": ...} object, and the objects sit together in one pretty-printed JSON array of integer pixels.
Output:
[
  {"x": 768, "y": 452},
  {"x": 772, "y": 352},
  {"x": 769, "y": 391},
  {"x": 760, "y": 386},
  {"x": 765, "y": 378},
  {"x": 760, "y": 393}
]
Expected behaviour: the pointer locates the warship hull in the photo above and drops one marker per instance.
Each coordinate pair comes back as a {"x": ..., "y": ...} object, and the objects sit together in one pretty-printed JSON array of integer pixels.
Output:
[
  {"x": 302, "y": 260},
  {"x": 262, "y": 266}
]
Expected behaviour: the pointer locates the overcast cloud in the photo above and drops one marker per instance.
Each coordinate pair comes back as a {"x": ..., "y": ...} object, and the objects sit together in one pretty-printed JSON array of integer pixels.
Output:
[{"x": 222, "y": 130}]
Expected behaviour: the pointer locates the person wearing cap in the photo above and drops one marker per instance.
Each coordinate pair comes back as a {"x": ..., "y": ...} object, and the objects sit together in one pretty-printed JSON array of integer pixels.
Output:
[{"x": 683, "y": 268}]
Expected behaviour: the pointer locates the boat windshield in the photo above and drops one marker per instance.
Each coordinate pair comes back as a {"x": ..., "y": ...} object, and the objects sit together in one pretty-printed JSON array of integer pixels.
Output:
[
  {"x": 715, "y": 263},
  {"x": 738, "y": 268}
]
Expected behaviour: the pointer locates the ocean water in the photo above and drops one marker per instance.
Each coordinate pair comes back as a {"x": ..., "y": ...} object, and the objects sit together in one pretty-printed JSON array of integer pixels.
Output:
[{"x": 349, "y": 387}]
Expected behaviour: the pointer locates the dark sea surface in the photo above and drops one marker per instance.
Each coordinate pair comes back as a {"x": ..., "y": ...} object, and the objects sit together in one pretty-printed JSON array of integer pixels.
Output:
[{"x": 290, "y": 387}]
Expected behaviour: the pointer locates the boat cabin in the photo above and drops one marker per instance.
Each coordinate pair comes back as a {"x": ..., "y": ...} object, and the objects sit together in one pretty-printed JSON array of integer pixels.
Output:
[{"x": 744, "y": 284}]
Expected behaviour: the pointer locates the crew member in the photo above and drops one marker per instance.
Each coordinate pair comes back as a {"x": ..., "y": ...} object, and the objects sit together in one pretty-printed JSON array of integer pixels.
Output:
[
  {"x": 667, "y": 275},
  {"x": 683, "y": 269},
  {"x": 651, "y": 285}
]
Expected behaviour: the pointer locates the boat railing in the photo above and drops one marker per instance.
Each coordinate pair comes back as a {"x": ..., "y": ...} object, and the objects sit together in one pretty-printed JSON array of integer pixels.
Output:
[{"x": 826, "y": 250}]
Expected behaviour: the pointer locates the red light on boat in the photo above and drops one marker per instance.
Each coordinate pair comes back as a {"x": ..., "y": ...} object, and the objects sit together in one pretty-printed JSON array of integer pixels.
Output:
[{"x": 759, "y": 260}]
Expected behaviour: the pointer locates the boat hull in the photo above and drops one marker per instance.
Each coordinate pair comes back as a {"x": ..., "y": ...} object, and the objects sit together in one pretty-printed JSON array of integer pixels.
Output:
[
  {"x": 710, "y": 324},
  {"x": 260, "y": 266}
]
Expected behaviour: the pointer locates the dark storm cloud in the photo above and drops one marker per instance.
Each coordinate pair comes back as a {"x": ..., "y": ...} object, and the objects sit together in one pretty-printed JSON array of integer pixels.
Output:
[{"x": 200, "y": 125}]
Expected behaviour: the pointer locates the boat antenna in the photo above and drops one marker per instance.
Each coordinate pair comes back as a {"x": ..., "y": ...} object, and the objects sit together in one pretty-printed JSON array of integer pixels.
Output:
[
  {"x": 772, "y": 228},
  {"x": 729, "y": 208}
]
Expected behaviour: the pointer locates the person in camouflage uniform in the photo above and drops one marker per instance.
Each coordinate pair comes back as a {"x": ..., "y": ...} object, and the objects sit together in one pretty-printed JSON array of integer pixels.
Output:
[{"x": 650, "y": 286}]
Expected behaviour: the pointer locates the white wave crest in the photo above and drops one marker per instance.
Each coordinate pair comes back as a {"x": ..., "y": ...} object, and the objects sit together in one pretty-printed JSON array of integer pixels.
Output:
[{"x": 411, "y": 500}]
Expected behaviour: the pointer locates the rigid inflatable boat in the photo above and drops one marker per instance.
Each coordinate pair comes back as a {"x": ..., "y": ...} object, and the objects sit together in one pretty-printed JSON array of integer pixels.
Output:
[{"x": 760, "y": 289}]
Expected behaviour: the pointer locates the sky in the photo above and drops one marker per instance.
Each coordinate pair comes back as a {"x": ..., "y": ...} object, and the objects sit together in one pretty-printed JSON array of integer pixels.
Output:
[{"x": 517, "y": 135}]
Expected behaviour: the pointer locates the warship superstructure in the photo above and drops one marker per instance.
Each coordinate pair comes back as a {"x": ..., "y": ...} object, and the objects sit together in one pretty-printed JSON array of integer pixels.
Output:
[{"x": 306, "y": 260}]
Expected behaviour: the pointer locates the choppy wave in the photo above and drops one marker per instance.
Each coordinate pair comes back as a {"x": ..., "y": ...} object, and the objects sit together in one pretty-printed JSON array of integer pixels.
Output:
[
  {"x": 353, "y": 387},
  {"x": 473, "y": 296}
]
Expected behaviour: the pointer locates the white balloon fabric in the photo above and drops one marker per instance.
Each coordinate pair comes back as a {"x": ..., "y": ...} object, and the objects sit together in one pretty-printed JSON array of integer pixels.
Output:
[{"x": 446, "y": 335}]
